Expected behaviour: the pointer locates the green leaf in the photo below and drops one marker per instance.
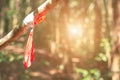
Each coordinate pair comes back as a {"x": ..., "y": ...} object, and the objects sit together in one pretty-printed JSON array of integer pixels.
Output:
[
  {"x": 95, "y": 73},
  {"x": 82, "y": 71}
]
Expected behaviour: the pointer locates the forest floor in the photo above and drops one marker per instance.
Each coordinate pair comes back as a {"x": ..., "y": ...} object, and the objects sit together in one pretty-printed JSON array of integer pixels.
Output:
[{"x": 45, "y": 67}]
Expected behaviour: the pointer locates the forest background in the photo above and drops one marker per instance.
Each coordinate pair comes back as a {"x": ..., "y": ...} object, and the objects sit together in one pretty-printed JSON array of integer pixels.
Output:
[{"x": 78, "y": 40}]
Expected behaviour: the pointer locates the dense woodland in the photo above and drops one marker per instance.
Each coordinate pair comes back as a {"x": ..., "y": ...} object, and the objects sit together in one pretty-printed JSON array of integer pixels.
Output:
[{"x": 78, "y": 40}]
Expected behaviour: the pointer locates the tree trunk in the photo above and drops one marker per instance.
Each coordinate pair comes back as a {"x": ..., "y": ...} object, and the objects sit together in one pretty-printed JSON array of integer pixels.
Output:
[
  {"x": 116, "y": 42},
  {"x": 66, "y": 46},
  {"x": 97, "y": 33}
]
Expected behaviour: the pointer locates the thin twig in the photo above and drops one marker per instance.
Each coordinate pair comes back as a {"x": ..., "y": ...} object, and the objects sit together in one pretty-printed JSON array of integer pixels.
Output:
[{"x": 18, "y": 31}]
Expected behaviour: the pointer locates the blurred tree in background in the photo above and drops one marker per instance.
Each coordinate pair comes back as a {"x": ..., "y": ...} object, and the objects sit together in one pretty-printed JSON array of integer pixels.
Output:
[{"x": 73, "y": 43}]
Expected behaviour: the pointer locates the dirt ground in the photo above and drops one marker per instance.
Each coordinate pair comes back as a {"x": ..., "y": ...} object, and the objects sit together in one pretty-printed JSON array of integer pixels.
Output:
[{"x": 45, "y": 67}]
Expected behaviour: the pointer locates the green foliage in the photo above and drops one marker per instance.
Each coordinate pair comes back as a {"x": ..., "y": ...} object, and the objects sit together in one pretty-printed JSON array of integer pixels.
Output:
[
  {"x": 106, "y": 49},
  {"x": 10, "y": 57},
  {"x": 25, "y": 75},
  {"x": 2, "y": 57},
  {"x": 47, "y": 63},
  {"x": 101, "y": 57},
  {"x": 92, "y": 74},
  {"x": 106, "y": 45}
]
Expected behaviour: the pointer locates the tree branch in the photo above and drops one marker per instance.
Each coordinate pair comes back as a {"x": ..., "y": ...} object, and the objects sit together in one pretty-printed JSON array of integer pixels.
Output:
[{"x": 18, "y": 31}]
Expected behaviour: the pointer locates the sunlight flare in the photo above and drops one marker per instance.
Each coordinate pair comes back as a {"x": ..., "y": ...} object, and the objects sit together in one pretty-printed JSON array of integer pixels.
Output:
[{"x": 75, "y": 30}]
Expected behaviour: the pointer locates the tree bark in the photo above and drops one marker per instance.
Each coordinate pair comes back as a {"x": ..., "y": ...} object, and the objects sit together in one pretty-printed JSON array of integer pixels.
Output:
[
  {"x": 97, "y": 27},
  {"x": 66, "y": 44},
  {"x": 115, "y": 68}
]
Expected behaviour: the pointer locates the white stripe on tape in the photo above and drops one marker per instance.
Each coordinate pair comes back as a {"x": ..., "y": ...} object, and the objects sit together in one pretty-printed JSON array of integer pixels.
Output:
[{"x": 29, "y": 20}]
